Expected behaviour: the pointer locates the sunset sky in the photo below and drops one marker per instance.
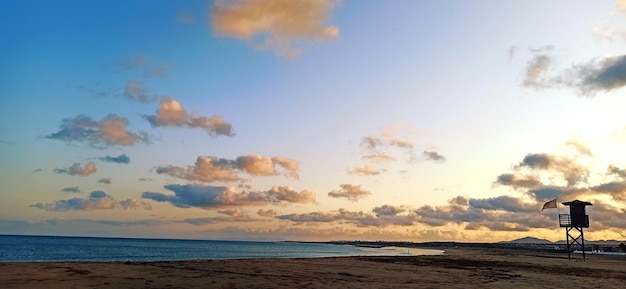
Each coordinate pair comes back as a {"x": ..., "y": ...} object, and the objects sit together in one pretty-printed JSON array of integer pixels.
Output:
[{"x": 312, "y": 119}]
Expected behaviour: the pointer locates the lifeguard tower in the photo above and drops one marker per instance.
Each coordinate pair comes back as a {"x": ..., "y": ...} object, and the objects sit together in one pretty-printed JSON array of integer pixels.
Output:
[{"x": 576, "y": 220}]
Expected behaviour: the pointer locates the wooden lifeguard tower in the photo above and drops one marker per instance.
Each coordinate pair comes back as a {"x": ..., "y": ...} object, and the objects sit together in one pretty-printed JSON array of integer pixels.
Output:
[{"x": 576, "y": 220}]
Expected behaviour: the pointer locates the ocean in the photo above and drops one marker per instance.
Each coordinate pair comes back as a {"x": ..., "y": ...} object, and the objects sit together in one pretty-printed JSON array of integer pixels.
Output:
[{"x": 57, "y": 249}]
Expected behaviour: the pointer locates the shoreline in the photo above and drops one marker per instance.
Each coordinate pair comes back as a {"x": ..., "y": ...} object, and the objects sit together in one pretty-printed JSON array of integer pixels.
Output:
[{"x": 457, "y": 268}]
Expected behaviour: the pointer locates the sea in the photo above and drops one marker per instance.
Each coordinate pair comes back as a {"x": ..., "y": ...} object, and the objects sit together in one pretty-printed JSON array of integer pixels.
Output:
[{"x": 58, "y": 249}]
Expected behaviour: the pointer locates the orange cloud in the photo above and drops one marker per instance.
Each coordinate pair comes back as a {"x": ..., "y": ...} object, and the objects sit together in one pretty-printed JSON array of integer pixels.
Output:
[
  {"x": 367, "y": 170},
  {"x": 172, "y": 113},
  {"x": 350, "y": 192},
  {"x": 281, "y": 24},
  {"x": 212, "y": 169},
  {"x": 77, "y": 170},
  {"x": 110, "y": 131}
]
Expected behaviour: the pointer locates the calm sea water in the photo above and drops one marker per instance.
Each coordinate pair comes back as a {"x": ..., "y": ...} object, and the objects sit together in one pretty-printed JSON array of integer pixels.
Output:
[{"x": 48, "y": 248}]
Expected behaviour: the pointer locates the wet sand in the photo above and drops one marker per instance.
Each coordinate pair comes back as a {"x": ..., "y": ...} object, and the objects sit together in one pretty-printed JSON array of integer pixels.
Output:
[{"x": 458, "y": 268}]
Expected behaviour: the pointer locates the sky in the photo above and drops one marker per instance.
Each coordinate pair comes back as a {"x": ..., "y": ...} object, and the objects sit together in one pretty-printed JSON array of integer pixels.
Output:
[{"x": 312, "y": 120}]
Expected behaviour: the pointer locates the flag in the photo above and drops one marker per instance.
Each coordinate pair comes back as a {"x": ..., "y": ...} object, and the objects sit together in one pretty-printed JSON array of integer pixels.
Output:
[{"x": 549, "y": 205}]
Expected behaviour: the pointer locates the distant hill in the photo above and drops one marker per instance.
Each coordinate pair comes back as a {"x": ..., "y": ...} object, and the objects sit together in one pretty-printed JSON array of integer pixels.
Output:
[{"x": 527, "y": 240}]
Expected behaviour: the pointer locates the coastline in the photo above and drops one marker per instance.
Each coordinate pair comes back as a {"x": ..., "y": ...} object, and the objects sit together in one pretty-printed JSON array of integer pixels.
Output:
[{"x": 457, "y": 268}]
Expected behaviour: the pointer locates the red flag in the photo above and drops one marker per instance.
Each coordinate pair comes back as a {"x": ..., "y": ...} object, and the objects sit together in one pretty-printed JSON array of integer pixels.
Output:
[{"x": 549, "y": 205}]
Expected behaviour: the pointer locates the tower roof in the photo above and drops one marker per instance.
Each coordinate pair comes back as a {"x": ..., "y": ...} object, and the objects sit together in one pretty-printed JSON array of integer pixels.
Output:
[{"x": 577, "y": 203}]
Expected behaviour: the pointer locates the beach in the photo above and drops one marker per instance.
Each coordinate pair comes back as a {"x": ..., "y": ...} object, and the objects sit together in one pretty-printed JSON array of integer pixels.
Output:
[{"x": 457, "y": 268}]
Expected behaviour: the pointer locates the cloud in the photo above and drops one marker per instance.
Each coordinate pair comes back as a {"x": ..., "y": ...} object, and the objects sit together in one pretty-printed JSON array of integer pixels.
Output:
[
  {"x": 98, "y": 194},
  {"x": 617, "y": 190},
  {"x": 281, "y": 26},
  {"x": 159, "y": 71},
  {"x": 74, "y": 190},
  {"x": 621, "y": 4},
  {"x": 219, "y": 219},
  {"x": 544, "y": 48},
  {"x": 134, "y": 90},
  {"x": 213, "y": 169},
  {"x": 393, "y": 139},
  {"x": 289, "y": 165},
  {"x": 371, "y": 142},
  {"x": 206, "y": 169},
  {"x": 77, "y": 170},
  {"x": 367, "y": 170},
  {"x": 186, "y": 196},
  {"x": 379, "y": 158},
  {"x": 613, "y": 170},
  {"x": 388, "y": 139},
  {"x": 536, "y": 68},
  {"x": 604, "y": 75},
  {"x": 504, "y": 203},
  {"x": 97, "y": 200},
  {"x": 267, "y": 213},
  {"x": 598, "y": 75},
  {"x": 545, "y": 193},
  {"x": 99, "y": 134},
  {"x": 501, "y": 213},
  {"x": 512, "y": 50},
  {"x": 433, "y": 156},
  {"x": 518, "y": 181},
  {"x": 237, "y": 213},
  {"x": 106, "y": 181},
  {"x": 579, "y": 145},
  {"x": 388, "y": 210},
  {"x": 37, "y": 170},
  {"x": 350, "y": 192},
  {"x": 171, "y": 113},
  {"x": 121, "y": 159},
  {"x": 572, "y": 172}
]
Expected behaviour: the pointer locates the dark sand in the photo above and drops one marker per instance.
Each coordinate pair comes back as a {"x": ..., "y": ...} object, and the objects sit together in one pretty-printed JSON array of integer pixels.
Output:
[{"x": 458, "y": 268}]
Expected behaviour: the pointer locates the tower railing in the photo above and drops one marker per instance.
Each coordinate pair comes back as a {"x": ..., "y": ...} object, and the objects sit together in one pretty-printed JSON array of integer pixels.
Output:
[{"x": 567, "y": 220}]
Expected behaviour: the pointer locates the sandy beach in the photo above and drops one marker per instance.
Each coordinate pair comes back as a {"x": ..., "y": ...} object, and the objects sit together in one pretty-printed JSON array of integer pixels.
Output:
[{"x": 457, "y": 268}]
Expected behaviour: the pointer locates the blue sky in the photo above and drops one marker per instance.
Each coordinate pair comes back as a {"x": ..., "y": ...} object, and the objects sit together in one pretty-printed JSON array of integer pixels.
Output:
[{"x": 311, "y": 119}]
